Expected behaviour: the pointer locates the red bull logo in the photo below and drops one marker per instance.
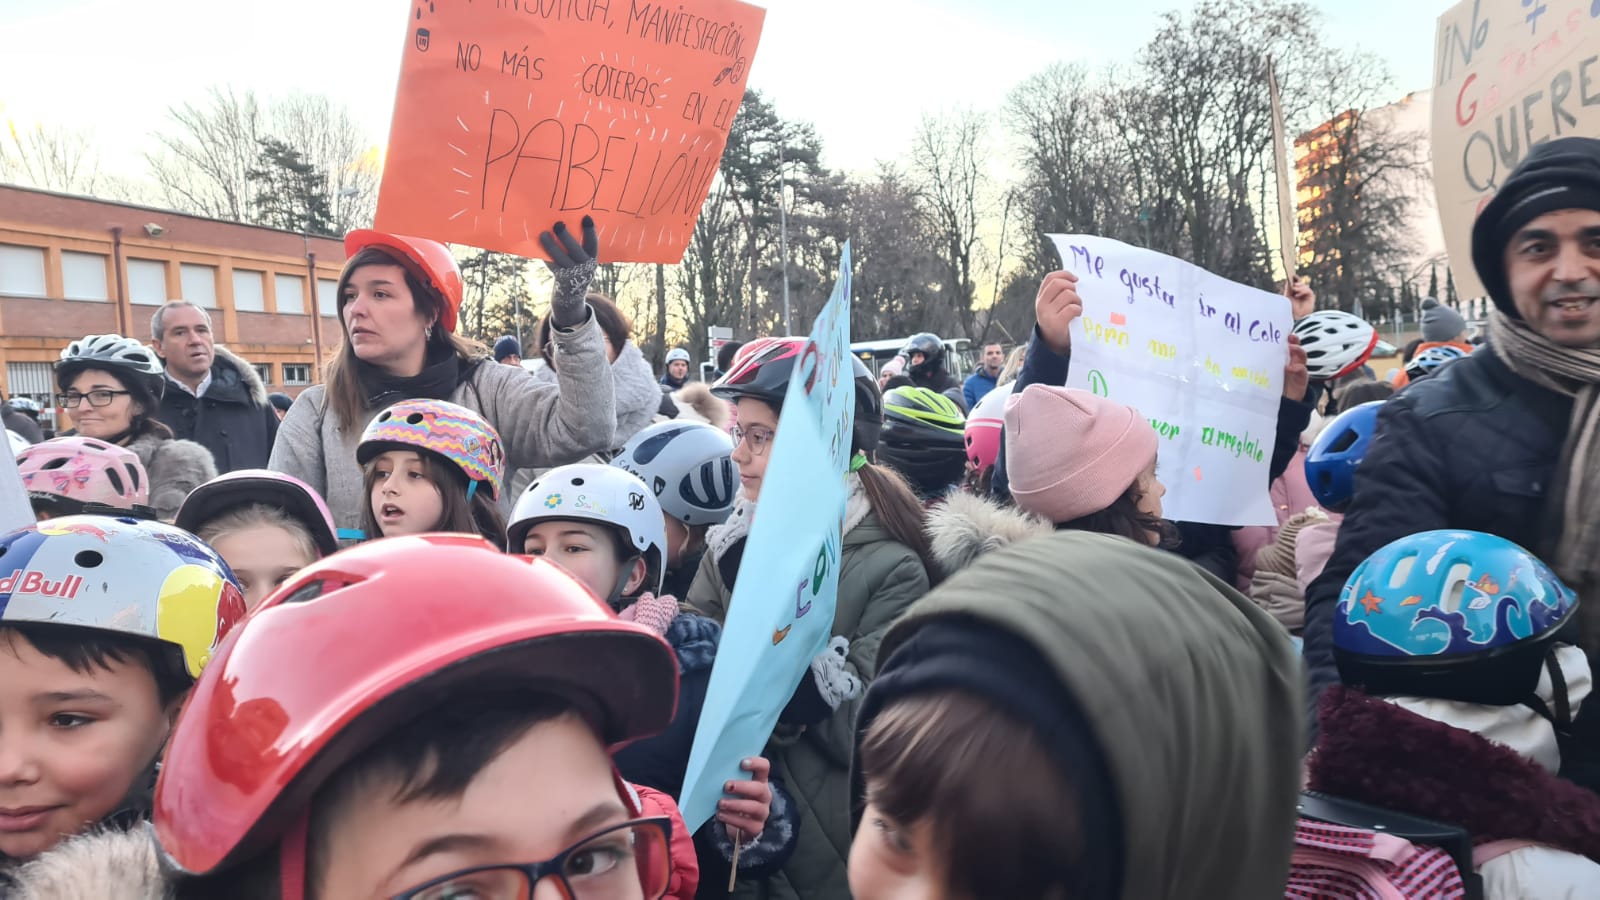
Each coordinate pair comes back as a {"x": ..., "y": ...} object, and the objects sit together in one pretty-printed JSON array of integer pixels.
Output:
[
  {"x": 26, "y": 582},
  {"x": 83, "y": 528}
]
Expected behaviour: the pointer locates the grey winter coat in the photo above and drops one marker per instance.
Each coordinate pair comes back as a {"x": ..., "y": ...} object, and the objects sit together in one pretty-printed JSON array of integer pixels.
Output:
[
  {"x": 233, "y": 420},
  {"x": 174, "y": 468},
  {"x": 539, "y": 425},
  {"x": 879, "y": 578}
]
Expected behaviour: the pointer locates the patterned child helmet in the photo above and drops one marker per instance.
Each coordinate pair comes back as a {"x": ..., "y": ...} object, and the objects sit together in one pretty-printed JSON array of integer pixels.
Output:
[
  {"x": 121, "y": 576},
  {"x": 985, "y": 424},
  {"x": 243, "y": 487},
  {"x": 688, "y": 466},
  {"x": 1338, "y": 450},
  {"x": 454, "y": 432},
  {"x": 84, "y": 470},
  {"x": 605, "y": 495},
  {"x": 1336, "y": 342},
  {"x": 1431, "y": 360},
  {"x": 1454, "y": 614}
]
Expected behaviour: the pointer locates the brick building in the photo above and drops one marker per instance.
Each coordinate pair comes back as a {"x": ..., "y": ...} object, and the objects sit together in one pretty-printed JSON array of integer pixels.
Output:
[{"x": 72, "y": 266}]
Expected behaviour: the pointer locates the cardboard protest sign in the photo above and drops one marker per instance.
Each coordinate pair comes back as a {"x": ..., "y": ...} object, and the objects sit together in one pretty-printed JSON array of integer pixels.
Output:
[
  {"x": 1508, "y": 75},
  {"x": 512, "y": 115},
  {"x": 15, "y": 510},
  {"x": 1201, "y": 357},
  {"x": 781, "y": 613}
]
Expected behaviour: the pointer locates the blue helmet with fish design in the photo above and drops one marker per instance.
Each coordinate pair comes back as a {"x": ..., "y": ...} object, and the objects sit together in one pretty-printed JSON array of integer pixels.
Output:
[{"x": 1458, "y": 615}]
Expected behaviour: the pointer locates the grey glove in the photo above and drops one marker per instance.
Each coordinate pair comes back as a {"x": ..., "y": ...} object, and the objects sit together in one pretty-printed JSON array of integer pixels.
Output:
[{"x": 573, "y": 266}]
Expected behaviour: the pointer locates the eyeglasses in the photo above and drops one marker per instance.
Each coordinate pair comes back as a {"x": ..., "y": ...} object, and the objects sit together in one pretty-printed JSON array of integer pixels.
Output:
[
  {"x": 759, "y": 439},
  {"x": 71, "y": 399},
  {"x": 625, "y": 862}
]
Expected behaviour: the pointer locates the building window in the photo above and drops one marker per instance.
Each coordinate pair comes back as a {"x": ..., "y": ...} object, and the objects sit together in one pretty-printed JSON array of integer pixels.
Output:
[
  {"x": 21, "y": 271},
  {"x": 327, "y": 291},
  {"x": 296, "y": 373},
  {"x": 264, "y": 371},
  {"x": 199, "y": 284},
  {"x": 147, "y": 281},
  {"x": 247, "y": 292},
  {"x": 83, "y": 276},
  {"x": 291, "y": 293}
]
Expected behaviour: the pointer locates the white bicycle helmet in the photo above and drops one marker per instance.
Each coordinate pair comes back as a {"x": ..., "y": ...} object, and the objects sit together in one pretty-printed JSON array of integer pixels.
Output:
[
  {"x": 588, "y": 492},
  {"x": 114, "y": 353},
  {"x": 1431, "y": 360},
  {"x": 1336, "y": 342},
  {"x": 121, "y": 576},
  {"x": 688, "y": 466}
]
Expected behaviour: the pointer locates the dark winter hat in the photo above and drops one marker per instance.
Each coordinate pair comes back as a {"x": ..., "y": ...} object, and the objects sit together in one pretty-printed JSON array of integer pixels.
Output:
[
  {"x": 506, "y": 346},
  {"x": 1560, "y": 174},
  {"x": 1440, "y": 323},
  {"x": 280, "y": 401}
]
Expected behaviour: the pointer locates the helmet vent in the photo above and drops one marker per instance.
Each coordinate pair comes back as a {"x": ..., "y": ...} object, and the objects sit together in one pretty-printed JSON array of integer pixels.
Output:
[
  {"x": 1402, "y": 572},
  {"x": 88, "y": 559},
  {"x": 56, "y": 463},
  {"x": 115, "y": 477},
  {"x": 414, "y": 419},
  {"x": 577, "y": 482}
]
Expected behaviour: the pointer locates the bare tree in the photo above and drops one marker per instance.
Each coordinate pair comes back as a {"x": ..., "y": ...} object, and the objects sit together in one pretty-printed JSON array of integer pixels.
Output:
[
  {"x": 51, "y": 158},
  {"x": 1363, "y": 173},
  {"x": 948, "y": 157},
  {"x": 897, "y": 274},
  {"x": 210, "y": 148}
]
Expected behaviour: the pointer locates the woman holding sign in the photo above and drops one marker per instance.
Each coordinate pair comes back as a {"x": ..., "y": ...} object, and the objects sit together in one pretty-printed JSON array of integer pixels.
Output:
[
  {"x": 883, "y": 569},
  {"x": 398, "y": 298}
]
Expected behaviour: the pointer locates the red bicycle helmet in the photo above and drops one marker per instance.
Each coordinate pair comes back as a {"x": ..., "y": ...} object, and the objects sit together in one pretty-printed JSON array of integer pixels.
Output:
[
  {"x": 243, "y": 487},
  {"x": 762, "y": 369},
  {"x": 430, "y": 261},
  {"x": 343, "y": 653}
]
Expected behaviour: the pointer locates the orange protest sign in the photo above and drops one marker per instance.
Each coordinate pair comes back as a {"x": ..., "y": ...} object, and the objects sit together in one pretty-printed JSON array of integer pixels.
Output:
[{"x": 512, "y": 115}]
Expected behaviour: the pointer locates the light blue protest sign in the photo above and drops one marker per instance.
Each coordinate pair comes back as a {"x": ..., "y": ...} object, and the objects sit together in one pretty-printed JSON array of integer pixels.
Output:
[{"x": 781, "y": 613}]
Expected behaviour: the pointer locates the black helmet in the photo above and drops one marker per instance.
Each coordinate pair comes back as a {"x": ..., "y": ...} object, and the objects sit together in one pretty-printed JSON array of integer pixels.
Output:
[
  {"x": 928, "y": 344},
  {"x": 761, "y": 371}
]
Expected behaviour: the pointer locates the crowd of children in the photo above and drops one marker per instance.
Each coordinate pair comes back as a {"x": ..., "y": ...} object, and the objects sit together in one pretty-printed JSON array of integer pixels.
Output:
[{"x": 1036, "y": 686}]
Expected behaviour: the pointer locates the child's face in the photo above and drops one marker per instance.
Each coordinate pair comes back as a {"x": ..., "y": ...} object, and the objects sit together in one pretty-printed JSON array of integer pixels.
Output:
[
  {"x": 261, "y": 558},
  {"x": 404, "y": 499},
  {"x": 758, "y": 425},
  {"x": 588, "y": 552},
  {"x": 72, "y": 744},
  {"x": 546, "y": 792},
  {"x": 1151, "y": 490},
  {"x": 890, "y": 859}
]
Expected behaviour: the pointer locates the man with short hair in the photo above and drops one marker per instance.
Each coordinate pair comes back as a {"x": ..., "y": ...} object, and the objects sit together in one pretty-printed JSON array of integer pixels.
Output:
[
  {"x": 677, "y": 369},
  {"x": 986, "y": 377},
  {"x": 1507, "y": 440},
  {"x": 508, "y": 351},
  {"x": 213, "y": 398}
]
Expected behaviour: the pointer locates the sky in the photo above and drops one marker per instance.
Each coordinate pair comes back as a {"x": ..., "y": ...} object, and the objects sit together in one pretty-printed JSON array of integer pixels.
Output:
[{"x": 863, "y": 72}]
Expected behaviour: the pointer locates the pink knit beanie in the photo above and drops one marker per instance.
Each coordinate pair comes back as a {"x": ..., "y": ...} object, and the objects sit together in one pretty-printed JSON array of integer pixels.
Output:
[{"x": 1070, "y": 453}]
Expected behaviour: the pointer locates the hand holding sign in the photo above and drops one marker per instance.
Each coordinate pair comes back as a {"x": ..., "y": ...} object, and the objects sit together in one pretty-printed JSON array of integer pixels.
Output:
[
  {"x": 1302, "y": 299},
  {"x": 1297, "y": 373},
  {"x": 573, "y": 265},
  {"x": 1056, "y": 307}
]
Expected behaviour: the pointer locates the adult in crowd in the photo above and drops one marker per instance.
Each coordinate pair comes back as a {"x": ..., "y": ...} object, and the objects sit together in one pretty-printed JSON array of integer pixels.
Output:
[
  {"x": 1441, "y": 324},
  {"x": 677, "y": 373},
  {"x": 508, "y": 351},
  {"x": 924, "y": 363},
  {"x": 21, "y": 415},
  {"x": 212, "y": 398},
  {"x": 1507, "y": 440},
  {"x": 280, "y": 403},
  {"x": 398, "y": 300},
  {"x": 987, "y": 376},
  {"x": 111, "y": 386}
]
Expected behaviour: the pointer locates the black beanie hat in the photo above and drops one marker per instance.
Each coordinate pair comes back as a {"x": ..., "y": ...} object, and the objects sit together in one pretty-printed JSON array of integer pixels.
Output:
[{"x": 1559, "y": 174}]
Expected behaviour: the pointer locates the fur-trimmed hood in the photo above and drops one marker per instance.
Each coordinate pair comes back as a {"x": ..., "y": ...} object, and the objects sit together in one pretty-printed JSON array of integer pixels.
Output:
[
  {"x": 249, "y": 378},
  {"x": 966, "y": 526},
  {"x": 105, "y": 865},
  {"x": 696, "y": 403}
]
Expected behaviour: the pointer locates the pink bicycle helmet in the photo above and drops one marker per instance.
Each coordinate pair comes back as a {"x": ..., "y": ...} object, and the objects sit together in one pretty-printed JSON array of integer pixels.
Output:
[
  {"x": 84, "y": 471},
  {"x": 984, "y": 426},
  {"x": 247, "y": 486}
]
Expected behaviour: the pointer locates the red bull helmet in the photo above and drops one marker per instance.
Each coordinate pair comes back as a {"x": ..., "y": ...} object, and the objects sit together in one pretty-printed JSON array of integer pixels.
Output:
[{"x": 121, "y": 576}]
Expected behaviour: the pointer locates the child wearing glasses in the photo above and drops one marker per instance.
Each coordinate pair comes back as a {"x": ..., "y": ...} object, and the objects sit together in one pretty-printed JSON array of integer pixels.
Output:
[
  {"x": 884, "y": 567},
  {"x": 444, "y": 731},
  {"x": 111, "y": 386}
]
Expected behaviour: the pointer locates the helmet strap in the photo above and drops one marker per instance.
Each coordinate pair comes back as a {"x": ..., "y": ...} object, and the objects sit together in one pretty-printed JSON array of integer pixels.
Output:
[
  {"x": 292, "y": 857},
  {"x": 1561, "y": 717},
  {"x": 472, "y": 489},
  {"x": 615, "y": 599}
]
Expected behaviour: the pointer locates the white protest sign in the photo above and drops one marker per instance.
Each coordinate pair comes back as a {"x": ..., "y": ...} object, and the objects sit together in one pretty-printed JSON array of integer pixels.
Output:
[
  {"x": 15, "y": 510},
  {"x": 1201, "y": 357},
  {"x": 1508, "y": 75}
]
